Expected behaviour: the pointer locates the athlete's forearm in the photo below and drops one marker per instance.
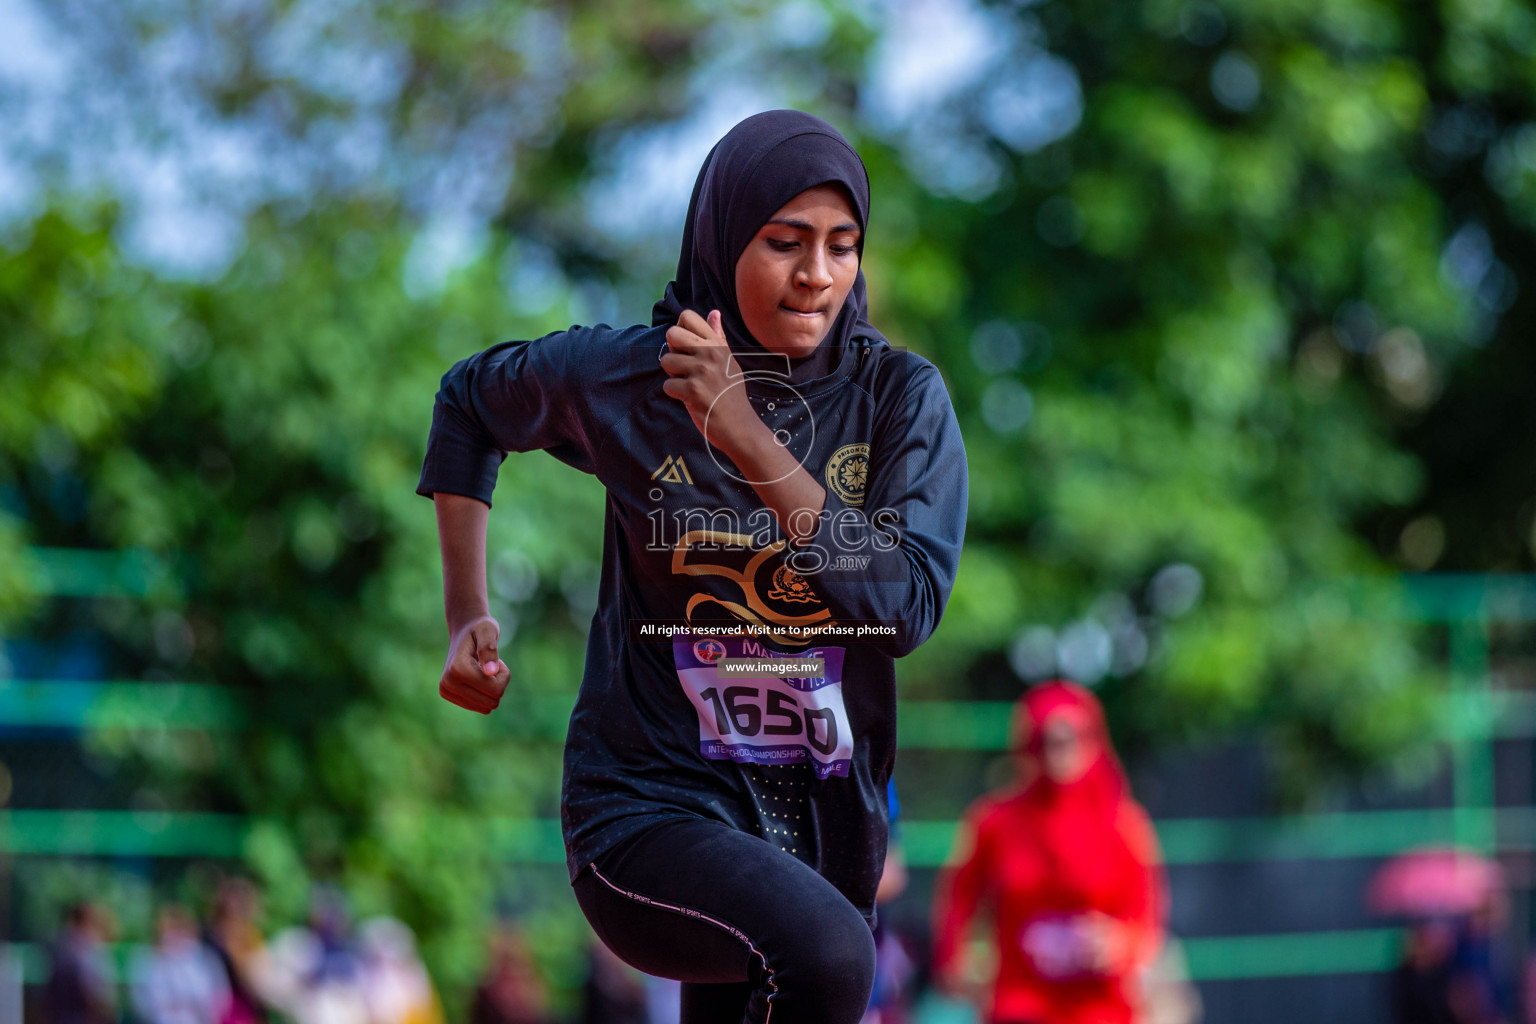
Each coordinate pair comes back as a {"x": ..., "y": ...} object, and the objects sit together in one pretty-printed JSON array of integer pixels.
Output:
[
  {"x": 461, "y": 524},
  {"x": 792, "y": 494}
]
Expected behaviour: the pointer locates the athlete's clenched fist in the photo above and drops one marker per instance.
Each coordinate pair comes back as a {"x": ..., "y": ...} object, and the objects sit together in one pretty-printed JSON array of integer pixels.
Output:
[
  {"x": 705, "y": 378},
  {"x": 474, "y": 677}
]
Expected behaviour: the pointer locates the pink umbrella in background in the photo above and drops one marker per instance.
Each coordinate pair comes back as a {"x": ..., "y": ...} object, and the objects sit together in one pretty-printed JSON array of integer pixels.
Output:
[{"x": 1434, "y": 880}]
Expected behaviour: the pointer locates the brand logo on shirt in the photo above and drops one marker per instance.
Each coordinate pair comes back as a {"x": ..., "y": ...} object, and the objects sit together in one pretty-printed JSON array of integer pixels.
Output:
[
  {"x": 673, "y": 471},
  {"x": 848, "y": 472}
]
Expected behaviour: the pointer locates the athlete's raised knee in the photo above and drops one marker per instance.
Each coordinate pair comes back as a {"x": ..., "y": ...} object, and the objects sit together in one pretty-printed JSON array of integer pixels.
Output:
[{"x": 832, "y": 967}]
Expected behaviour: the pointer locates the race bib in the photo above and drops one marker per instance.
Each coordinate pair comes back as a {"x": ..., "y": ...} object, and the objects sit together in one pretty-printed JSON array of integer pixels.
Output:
[
  {"x": 1057, "y": 947},
  {"x": 766, "y": 720}
]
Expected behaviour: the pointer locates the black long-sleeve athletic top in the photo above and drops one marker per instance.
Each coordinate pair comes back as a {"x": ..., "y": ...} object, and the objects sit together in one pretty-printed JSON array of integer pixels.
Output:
[{"x": 657, "y": 730}]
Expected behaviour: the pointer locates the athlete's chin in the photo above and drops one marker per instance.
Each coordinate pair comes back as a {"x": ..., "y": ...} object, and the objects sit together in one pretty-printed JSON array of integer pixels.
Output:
[{"x": 796, "y": 347}]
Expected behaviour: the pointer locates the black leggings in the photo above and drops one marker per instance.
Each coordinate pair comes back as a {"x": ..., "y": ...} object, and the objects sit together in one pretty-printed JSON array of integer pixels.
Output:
[{"x": 752, "y": 933}]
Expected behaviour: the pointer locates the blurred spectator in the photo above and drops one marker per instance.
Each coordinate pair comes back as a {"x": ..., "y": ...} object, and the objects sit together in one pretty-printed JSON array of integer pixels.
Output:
[
  {"x": 1482, "y": 972},
  {"x": 235, "y": 938},
  {"x": 394, "y": 980},
  {"x": 179, "y": 980},
  {"x": 1067, "y": 863},
  {"x": 316, "y": 974},
  {"x": 510, "y": 991},
  {"x": 663, "y": 1000},
  {"x": 614, "y": 992},
  {"x": 82, "y": 984},
  {"x": 1167, "y": 994},
  {"x": 890, "y": 998},
  {"x": 1421, "y": 984},
  {"x": 1456, "y": 969}
]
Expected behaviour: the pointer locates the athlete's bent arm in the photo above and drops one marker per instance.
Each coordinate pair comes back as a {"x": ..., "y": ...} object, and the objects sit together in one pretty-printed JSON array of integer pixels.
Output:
[
  {"x": 702, "y": 374},
  {"x": 474, "y": 676},
  {"x": 904, "y": 542},
  {"x": 891, "y": 553},
  {"x": 516, "y": 396},
  {"x": 1137, "y": 937}
]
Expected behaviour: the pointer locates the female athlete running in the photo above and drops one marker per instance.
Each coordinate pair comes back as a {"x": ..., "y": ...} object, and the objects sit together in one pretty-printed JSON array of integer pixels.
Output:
[{"x": 782, "y": 484}]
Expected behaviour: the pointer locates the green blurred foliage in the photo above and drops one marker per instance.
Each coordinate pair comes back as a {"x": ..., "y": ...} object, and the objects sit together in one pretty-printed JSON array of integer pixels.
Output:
[
  {"x": 1182, "y": 339},
  {"x": 1165, "y": 298},
  {"x": 269, "y": 450}
]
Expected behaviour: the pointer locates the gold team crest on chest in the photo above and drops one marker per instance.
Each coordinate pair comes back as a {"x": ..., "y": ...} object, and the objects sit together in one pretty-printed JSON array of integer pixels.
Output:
[
  {"x": 789, "y": 585},
  {"x": 848, "y": 472}
]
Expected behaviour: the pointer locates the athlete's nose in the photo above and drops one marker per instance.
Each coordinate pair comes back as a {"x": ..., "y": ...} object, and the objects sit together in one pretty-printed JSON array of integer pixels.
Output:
[{"x": 813, "y": 272}]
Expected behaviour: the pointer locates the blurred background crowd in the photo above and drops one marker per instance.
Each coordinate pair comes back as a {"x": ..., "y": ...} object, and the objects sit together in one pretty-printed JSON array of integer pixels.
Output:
[
  {"x": 328, "y": 970},
  {"x": 1234, "y": 301}
]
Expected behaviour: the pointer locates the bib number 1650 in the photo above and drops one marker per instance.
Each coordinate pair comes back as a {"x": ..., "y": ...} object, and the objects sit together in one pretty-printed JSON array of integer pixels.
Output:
[{"x": 743, "y": 710}]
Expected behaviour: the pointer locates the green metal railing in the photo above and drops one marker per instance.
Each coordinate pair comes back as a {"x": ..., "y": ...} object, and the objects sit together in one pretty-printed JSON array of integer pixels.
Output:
[
  {"x": 75, "y": 572},
  {"x": 42, "y": 704},
  {"x": 1466, "y": 606},
  {"x": 1185, "y": 841}
]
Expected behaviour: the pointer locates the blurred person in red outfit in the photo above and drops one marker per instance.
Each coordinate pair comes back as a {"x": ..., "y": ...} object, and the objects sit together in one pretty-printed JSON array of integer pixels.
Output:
[
  {"x": 1067, "y": 865},
  {"x": 510, "y": 991}
]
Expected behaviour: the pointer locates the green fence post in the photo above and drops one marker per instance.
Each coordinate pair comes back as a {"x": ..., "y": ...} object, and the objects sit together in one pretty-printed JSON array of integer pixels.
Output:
[{"x": 1472, "y": 748}]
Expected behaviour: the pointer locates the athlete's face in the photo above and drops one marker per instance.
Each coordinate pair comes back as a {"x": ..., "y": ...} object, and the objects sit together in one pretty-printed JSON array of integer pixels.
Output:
[{"x": 793, "y": 277}]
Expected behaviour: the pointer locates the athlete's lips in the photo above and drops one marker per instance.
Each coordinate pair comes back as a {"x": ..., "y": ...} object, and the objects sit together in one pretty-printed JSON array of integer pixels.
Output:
[{"x": 802, "y": 312}]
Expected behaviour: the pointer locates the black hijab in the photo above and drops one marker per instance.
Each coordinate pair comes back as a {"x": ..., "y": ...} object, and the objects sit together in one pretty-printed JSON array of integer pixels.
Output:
[{"x": 761, "y": 164}]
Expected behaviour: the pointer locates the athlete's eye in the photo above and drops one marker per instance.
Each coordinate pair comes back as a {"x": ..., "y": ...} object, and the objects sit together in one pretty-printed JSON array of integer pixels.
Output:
[{"x": 781, "y": 245}]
